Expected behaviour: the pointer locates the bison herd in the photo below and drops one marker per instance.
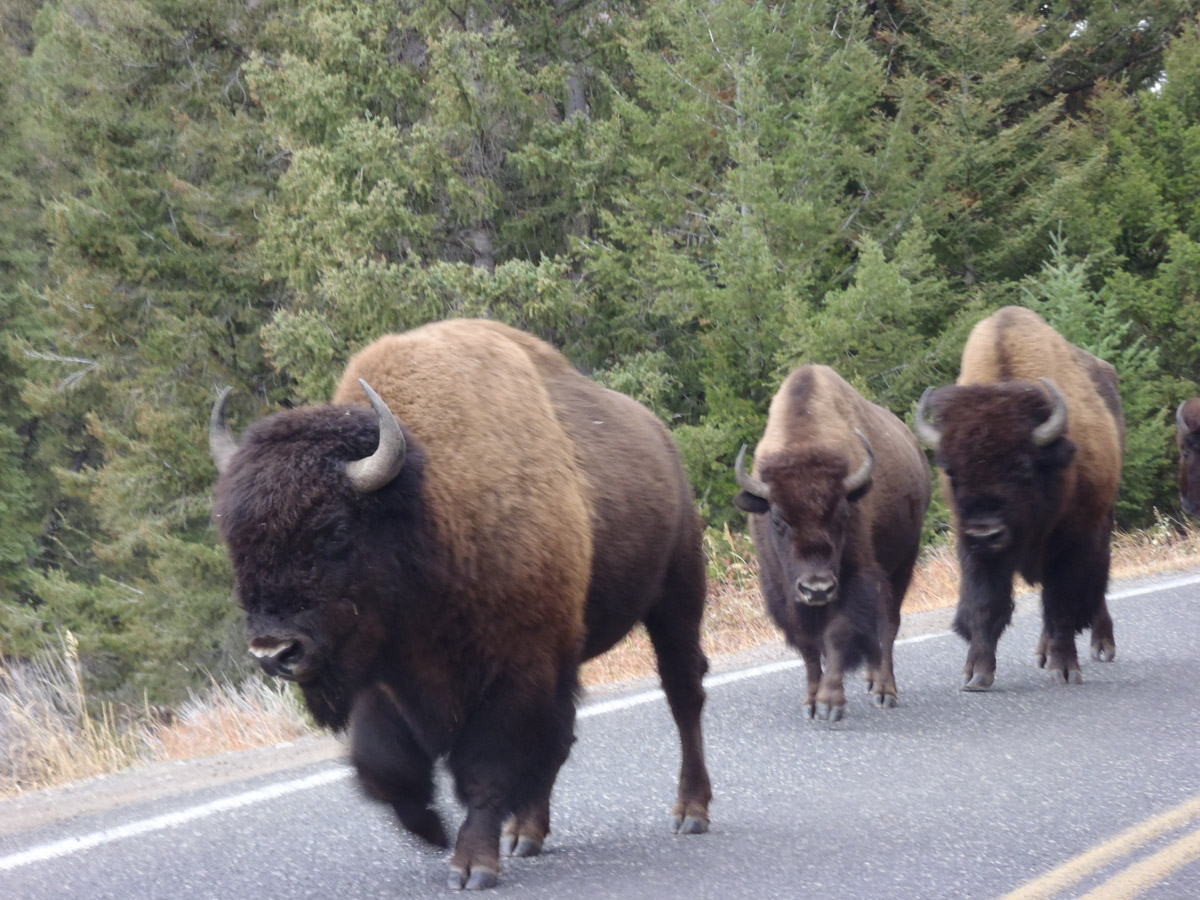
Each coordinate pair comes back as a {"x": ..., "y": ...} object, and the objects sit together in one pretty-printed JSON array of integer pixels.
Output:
[{"x": 431, "y": 556}]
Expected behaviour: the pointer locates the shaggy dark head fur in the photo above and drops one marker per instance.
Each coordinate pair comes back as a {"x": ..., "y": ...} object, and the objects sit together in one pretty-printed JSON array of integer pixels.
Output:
[
  {"x": 1001, "y": 481},
  {"x": 320, "y": 567},
  {"x": 808, "y": 510}
]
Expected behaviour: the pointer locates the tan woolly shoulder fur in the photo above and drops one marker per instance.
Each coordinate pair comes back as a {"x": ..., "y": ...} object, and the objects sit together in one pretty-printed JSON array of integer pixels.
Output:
[{"x": 502, "y": 480}]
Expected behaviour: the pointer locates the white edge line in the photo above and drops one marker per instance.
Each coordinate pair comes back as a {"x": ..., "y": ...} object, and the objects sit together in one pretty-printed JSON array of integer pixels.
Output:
[
  {"x": 169, "y": 820},
  {"x": 71, "y": 845},
  {"x": 1159, "y": 586}
]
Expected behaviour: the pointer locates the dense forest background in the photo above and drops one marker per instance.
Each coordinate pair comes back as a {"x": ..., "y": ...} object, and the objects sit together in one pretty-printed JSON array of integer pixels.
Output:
[{"x": 689, "y": 197}]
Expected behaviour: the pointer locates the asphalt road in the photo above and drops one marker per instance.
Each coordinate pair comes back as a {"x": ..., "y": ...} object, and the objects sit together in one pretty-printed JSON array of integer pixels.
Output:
[{"x": 950, "y": 795}]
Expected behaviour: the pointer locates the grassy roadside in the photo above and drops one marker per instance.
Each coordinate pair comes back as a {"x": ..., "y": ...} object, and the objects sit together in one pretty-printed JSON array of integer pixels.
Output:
[{"x": 50, "y": 733}]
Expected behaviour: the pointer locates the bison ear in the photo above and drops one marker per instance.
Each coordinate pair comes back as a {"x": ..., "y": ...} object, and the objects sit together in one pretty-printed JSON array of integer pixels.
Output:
[
  {"x": 751, "y": 503},
  {"x": 858, "y": 493}
]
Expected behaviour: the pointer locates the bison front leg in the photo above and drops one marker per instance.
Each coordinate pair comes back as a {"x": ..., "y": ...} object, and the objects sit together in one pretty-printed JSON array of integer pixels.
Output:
[
  {"x": 881, "y": 678},
  {"x": 505, "y": 759},
  {"x": 1057, "y": 648},
  {"x": 391, "y": 766},
  {"x": 830, "y": 705},
  {"x": 1104, "y": 645},
  {"x": 811, "y": 654},
  {"x": 1073, "y": 589},
  {"x": 985, "y": 607}
]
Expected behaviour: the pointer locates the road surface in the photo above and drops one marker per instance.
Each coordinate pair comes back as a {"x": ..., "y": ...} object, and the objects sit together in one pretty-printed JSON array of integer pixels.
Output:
[{"x": 1031, "y": 788}]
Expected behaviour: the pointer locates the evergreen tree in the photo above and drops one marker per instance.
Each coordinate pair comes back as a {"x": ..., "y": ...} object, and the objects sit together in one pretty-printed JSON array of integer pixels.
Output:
[
  {"x": 154, "y": 299},
  {"x": 22, "y": 482},
  {"x": 1061, "y": 293}
]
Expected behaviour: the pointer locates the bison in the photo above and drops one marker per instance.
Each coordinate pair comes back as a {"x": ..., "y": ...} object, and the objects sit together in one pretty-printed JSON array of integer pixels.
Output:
[
  {"x": 836, "y": 501},
  {"x": 431, "y": 569},
  {"x": 1187, "y": 436},
  {"x": 1030, "y": 442}
]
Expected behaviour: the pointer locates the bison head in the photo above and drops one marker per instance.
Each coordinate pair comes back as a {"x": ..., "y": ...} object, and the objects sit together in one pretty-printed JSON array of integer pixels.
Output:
[
  {"x": 1002, "y": 449},
  {"x": 316, "y": 506},
  {"x": 806, "y": 493},
  {"x": 1187, "y": 436}
]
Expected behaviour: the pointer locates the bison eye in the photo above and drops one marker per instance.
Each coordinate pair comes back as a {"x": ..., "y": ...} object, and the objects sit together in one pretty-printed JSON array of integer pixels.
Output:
[{"x": 334, "y": 541}]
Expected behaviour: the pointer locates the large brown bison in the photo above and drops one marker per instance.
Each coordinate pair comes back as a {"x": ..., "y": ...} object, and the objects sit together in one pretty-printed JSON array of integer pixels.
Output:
[
  {"x": 1187, "y": 436},
  {"x": 434, "y": 585},
  {"x": 837, "y": 498},
  {"x": 1030, "y": 442}
]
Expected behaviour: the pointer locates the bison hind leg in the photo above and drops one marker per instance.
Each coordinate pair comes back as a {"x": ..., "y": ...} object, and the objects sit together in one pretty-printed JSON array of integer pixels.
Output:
[{"x": 674, "y": 629}]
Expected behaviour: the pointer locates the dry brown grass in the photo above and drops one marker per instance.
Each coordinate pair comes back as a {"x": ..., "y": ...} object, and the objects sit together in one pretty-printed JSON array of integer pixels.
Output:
[
  {"x": 47, "y": 734},
  {"x": 227, "y": 717},
  {"x": 50, "y": 733}
]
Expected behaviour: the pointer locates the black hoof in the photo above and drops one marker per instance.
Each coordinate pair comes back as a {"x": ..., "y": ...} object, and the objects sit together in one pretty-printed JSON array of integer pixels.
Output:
[
  {"x": 809, "y": 711},
  {"x": 977, "y": 682},
  {"x": 1103, "y": 654},
  {"x": 689, "y": 825},
  {"x": 527, "y": 846},
  {"x": 886, "y": 701},
  {"x": 827, "y": 713},
  {"x": 1072, "y": 676},
  {"x": 456, "y": 880},
  {"x": 481, "y": 879}
]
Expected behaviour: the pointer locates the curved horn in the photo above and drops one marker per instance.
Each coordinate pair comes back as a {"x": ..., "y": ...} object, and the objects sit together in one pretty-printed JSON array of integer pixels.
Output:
[
  {"x": 749, "y": 483},
  {"x": 857, "y": 479},
  {"x": 1179, "y": 422},
  {"x": 930, "y": 434},
  {"x": 221, "y": 444},
  {"x": 1055, "y": 426},
  {"x": 371, "y": 473}
]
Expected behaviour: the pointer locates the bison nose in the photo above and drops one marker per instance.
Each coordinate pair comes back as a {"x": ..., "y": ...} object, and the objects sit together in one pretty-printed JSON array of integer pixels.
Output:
[
  {"x": 986, "y": 535},
  {"x": 817, "y": 590},
  {"x": 290, "y": 658}
]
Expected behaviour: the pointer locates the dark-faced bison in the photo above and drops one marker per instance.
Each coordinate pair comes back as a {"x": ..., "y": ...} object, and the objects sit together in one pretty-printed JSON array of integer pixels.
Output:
[
  {"x": 434, "y": 585},
  {"x": 1187, "y": 436},
  {"x": 1030, "y": 441},
  {"x": 837, "y": 498}
]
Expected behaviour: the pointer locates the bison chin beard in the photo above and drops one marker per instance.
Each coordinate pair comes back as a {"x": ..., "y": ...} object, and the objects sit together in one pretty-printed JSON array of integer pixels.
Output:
[{"x": 329, "y": 700}]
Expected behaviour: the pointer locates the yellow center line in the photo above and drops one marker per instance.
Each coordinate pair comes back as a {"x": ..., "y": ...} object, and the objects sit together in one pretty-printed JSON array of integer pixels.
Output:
[
  {"x": 1144, "y": 875},
  {"x": 1073, "y": 870}
]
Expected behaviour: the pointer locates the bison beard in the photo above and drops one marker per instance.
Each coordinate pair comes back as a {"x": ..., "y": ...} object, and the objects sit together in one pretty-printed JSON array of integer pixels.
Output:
[
  {"x": 435, "y": 587},
  {"x": 329, "y": 698}
]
